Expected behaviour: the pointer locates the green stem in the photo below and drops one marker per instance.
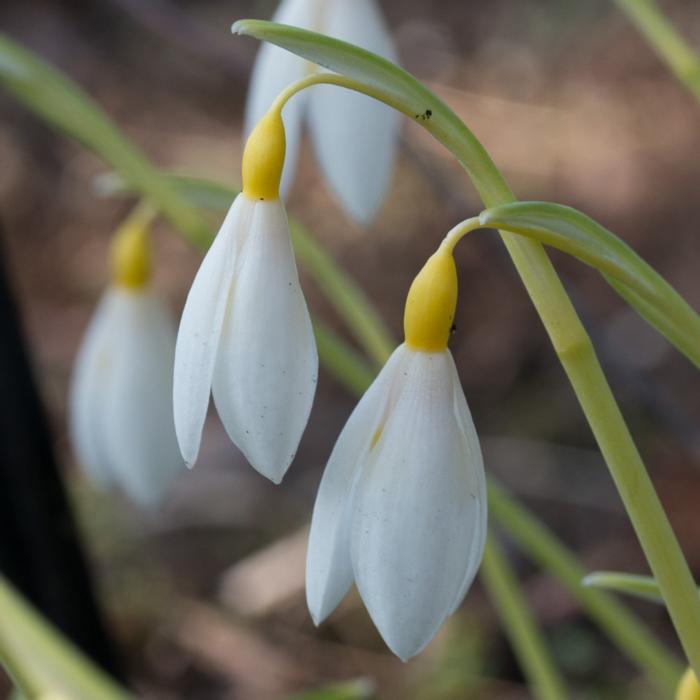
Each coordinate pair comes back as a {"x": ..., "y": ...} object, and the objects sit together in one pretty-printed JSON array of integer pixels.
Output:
[
  {"x": 529, "y": 645},
  {"x": 670, "y": 46},
  {"x": 623, "y": 628}
]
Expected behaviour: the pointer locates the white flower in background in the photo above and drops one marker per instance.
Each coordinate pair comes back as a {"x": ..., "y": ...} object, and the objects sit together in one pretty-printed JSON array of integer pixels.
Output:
[
  {"x": 121, "y": 392},
  {"x": 354, "y": 136},
  {"x": 401, "y": 509},
  {"x": 245, "y": 333}
]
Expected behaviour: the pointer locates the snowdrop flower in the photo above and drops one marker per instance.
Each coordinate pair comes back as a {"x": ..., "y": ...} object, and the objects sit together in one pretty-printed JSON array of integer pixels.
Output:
[
  {"x": 245, "y": 333},
  {"x": 354, "y": 136},
  {"x": 120, "y": 398},
  {"x": 401, "y": 509}
]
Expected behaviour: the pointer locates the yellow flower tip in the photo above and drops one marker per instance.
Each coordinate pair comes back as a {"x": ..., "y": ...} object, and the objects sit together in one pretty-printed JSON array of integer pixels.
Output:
[
  {"x": 131, "y": 255},
  {"x": 431, "y": 304},
  {"x": 688, "y": 688},
  {"x": 263, "y": 158}
]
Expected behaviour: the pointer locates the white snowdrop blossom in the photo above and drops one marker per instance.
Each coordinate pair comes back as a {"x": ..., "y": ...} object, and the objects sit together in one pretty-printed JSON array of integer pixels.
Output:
[
  {"x": 121, "y": 392},
  {"x": 354, "y": 136},
  {"x": 245, "y": 333},
  {"x": 401, "y": 509}
]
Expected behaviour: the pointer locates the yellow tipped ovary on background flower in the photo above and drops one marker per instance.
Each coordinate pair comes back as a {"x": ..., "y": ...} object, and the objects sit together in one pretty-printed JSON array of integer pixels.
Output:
[{"x": 121, "y": 390}]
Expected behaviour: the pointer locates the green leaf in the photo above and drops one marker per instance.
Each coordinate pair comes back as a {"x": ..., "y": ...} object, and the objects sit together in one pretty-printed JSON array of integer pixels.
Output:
[
  {"x": 345, "y": 295},
  {"x": 636, "y": 281},
  {"x": 60, "y": 102},
  {"x": 633, "y": 584},
  {"x": 357, "y": 689},
  {"x": 664, "y": 38},
  {"x": 43, "y": 662}
]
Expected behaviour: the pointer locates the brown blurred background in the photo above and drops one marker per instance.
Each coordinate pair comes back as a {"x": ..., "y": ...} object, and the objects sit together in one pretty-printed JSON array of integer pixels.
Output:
[{"x": 205, "y": 596}]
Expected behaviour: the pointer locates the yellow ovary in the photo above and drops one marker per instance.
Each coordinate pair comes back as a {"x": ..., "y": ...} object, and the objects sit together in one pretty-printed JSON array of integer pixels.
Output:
[
  {"x": 131, "y": 253},
  {"x": 431, "y": 303},
  {"x": 263, "y": 158}
]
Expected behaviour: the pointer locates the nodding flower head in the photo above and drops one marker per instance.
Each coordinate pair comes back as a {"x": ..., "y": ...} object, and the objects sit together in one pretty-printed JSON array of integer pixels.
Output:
[
  {"x": 121, "y": 391},
  {"x": 245, "y": 334},
  {"x": 401, "y": 509}
]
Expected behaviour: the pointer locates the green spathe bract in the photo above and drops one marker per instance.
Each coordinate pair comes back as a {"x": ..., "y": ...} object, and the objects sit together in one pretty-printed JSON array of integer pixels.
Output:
[{"x": 635, "y": 280}]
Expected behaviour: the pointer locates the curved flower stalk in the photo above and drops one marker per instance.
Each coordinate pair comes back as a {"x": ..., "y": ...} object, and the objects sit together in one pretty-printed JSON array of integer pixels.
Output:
[
  {"x": 120, "y": 416},
  {"x": 245, "y": 333},
  {"x": 401, "y": 509},
  {"x": 354, "y": 137}
]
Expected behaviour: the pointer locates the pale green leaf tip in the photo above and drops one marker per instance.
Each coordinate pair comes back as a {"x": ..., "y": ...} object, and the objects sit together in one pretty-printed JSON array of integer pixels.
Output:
[
  {"x": 239, "y": 27},
  {"x": 590, "y": 580}
]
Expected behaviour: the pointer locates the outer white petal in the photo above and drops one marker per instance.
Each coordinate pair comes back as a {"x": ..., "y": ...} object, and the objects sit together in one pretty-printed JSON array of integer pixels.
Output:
[
  {"x": 355, "y": 137},
  {"x": 274, "y": 70},
  {"x": 93, "y": 367},
  {"x": 137, "y": 426},
  {"x": 328, "y": 568},
  {"x": 416, "y": 509},
  {"x": 476, "y": 480},
  {"x": 200, "y": 329},
  {"x": 267, "y": 366}
]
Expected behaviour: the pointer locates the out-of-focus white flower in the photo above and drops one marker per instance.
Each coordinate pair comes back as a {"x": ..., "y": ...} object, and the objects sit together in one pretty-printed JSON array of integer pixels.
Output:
[
  {"x": 121, "y": 392},
  {"x": 245, "y": 333},
  {"x": 401, "y": 509},
  {"x": 355, "y": 137}
]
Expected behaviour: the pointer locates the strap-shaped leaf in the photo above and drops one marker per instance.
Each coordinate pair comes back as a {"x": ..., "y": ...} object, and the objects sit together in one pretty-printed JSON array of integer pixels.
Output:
[
  {"x": 633, "y": 584},
  {"x": 635, "y": 280},
  {"x": 41, "y": 661}
]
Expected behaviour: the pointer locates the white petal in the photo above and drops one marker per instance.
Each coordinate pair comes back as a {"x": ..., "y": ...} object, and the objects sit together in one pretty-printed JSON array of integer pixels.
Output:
[
  {"x": 137, "y": 424},
  {"x": 472, "y": 450},
  {"x": 200, "y": 330},
  {"x": 266, "y": 370},
  {"x": 93, "y": 366},
  {"x": 355, "y": 137},
  {"x": 274, "y": 70},
  {"x": 328, "y": 567},
  {"x": 416, "y": 509}
]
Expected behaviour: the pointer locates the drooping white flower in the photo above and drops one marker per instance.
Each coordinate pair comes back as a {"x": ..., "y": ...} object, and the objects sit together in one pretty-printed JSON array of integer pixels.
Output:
[
  {"x": 354, "y": 136},
  {"x": 121, "y": 392},
  {"x": 245, "y": 333},
  {"x": 401, "y": 509}
]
